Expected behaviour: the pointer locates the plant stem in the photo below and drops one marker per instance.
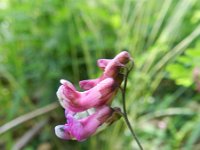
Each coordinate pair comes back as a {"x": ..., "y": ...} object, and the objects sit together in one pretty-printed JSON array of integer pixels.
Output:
[{"x": 124, "y": 107}]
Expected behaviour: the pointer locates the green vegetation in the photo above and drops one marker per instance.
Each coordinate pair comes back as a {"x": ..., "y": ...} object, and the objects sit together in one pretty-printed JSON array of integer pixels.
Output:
[{"x": 42, "y": 41}]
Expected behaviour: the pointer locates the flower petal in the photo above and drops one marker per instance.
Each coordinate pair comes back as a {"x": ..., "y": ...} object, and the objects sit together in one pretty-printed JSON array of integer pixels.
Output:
[
  {"x": 102, "y": 63},
  {"x": 88, "y": 84},
  {"x": 62, "y": 133}
]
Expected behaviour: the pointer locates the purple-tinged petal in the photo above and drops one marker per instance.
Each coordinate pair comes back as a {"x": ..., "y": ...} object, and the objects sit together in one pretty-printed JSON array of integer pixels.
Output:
[
  {"x": 88, "y": 84},
  {"x": 98, "y": 95},
  {"x": 79, "y": 101},
  {"x": 81, "y": 129},
  {"x": 102, "y": 63},
  {"x": 75, "y": 127},
  {"x": 67, "y": 93},
  {"x": 67, "y": 83},
  {"x": 113, "y": 68},
  {"x": 61, "y": 132}
]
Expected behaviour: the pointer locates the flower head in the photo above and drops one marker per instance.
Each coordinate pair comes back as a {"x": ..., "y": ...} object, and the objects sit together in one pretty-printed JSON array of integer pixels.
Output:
[
  {"x": 80, "y": 129},
  {"x": 98, "y": 95}
]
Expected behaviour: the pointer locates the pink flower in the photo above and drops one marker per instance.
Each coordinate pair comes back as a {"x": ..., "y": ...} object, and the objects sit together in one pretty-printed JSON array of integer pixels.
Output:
[
  {"x": 98, "y": 95},
  {"x": 81, "y": 129},
  {"x": 88, "y": 84},
  {"x": 76, "y": 101},
  {"x": 111, "y": 69}
]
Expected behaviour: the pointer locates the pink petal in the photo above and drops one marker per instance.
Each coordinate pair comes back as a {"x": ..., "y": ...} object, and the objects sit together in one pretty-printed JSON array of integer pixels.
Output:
[
  {"x": 67, "y": 83},
  {"x": 62, "y": 133},
  {"x": 102, "y": 63},
  {"x": 88, "y": 84},
  {"x": 67, "y": 93},
  {"x": 95, "y": 96},
  {"x": 75, "y": 127}
]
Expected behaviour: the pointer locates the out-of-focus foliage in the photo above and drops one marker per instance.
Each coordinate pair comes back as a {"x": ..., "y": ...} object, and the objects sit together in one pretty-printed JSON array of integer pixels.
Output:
[
  {"x": 182, "y": 71},
  {"x": 42, "y": 41}
]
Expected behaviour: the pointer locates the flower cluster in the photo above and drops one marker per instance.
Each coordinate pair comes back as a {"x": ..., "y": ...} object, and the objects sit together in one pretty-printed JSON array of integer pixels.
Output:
[{"x": 97, "y": 96}]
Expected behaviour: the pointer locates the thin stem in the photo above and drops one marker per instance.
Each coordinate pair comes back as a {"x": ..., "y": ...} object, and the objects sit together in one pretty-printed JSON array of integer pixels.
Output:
[{"x": 124, "y": 107}]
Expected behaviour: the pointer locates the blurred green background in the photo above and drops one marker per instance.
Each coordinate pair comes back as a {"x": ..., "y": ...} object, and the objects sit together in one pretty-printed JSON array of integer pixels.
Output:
[{"x": 42, "y": 41}]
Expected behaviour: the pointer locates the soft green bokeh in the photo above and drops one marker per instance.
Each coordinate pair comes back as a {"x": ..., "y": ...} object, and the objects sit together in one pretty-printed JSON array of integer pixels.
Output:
[{"x": 42, "y": 41}]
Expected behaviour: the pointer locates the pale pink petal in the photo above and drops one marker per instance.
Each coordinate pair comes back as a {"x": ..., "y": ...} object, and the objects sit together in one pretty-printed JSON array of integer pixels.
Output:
[
  {"x": 61, "y": 132},
  {"x": 88, "y": 84},
  {"x": 67, "y": 83},
  {"x": 80, "y": 101},
  {"x": 67, "y": 94},
  {"x": 102, "y": 63}
]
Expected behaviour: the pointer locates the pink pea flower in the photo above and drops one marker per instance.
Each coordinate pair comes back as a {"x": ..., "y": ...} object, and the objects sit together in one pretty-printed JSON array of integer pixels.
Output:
[
  {"x": 81, "y": 129},
  {"x": 98, "y": 95},
  {"x": 111, "y": 69},
  {"x": 76, "y": 101}
]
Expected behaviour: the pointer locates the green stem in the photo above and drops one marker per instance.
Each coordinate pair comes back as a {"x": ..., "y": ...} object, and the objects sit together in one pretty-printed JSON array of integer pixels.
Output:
[{"x": 124, "y": 107}]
